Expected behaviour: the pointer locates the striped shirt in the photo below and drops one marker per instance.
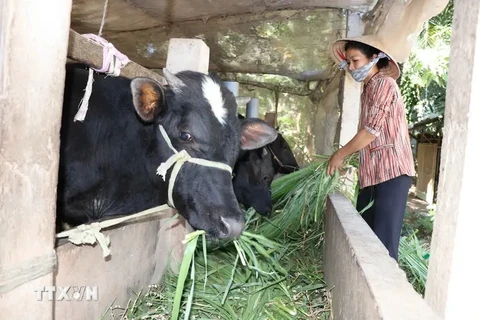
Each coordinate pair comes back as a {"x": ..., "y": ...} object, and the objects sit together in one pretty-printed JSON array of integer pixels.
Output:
[{"x": 383, "y": 114}]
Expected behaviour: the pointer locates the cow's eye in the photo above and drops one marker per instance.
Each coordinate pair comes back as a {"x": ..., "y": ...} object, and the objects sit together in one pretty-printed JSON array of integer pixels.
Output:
[
  {"x": 185, "y": 136},
  {"x": 265, "y": 178}
]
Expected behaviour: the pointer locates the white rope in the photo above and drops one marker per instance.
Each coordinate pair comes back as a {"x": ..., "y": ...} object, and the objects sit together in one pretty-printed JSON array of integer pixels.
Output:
[
  {"x": 103, "y": 18},
  {"x": 82, "y": 110},
  {"x": 90, "y": 233},
  {"x": 113, "y": 62}
]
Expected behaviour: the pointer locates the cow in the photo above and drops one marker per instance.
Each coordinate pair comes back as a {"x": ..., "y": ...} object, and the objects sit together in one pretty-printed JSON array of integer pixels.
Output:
[
  {"x": 143, "y": 144},
  {"x": 284, "y": 161},
  {"x": 255, "y": 170},
  {"x": 253, "y": 176}
]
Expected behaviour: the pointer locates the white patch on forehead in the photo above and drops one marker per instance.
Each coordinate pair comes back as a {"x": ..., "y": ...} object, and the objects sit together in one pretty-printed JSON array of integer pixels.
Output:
[{"x": 213, "y": 94}]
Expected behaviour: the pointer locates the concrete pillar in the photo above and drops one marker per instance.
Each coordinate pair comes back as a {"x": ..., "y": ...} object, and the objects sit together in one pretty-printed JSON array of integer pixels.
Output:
[
  {"x": 350, "y": 95},
  {"x": 350, "y": 91},
  {"x": 33, "y": 40},
  {"x": 189, "y": 54},
  {"x": 453, "y": 278},
  {"x": 193, "y": 55},
  {"x": 233, "y": 86},
  {"x": 252, "y": 108}
]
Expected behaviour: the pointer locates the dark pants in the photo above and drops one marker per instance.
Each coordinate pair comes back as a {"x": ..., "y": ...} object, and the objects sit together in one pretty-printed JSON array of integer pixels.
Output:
[{"x": 385, "y": 216}]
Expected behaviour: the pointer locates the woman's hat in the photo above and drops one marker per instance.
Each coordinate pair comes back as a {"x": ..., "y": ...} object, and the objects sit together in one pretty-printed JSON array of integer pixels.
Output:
[{"x": 338, "y": 52}]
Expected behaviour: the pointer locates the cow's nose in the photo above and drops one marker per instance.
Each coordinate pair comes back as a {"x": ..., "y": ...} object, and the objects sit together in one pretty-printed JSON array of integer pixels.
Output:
[
  {"x": 263, "y": 209},
  {"x": 234, "y": 228}
]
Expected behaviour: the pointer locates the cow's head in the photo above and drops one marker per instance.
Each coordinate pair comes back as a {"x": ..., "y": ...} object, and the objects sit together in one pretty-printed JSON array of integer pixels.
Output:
[
  {"x": 199, "y": 115},
  {"x": 283, "y": 158},
  {"x": 253, "y": 178}
]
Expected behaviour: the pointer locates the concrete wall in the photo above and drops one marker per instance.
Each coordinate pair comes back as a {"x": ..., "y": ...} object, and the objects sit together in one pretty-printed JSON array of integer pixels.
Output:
[
  {"x": 140, "y": 253},
  {"x": 366, "y": 283}
]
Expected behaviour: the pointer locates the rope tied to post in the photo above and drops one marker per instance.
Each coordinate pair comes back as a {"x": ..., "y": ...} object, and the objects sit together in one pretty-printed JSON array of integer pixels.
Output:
[
  {"x": 90, "y": 233},
  {"x": 113, "y": 62}
]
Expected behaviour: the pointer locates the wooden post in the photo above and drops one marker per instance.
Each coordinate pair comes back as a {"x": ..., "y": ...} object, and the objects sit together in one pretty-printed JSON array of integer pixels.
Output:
[
  {"x": 271, "y": 118},
  {"x": 34, "y": 40},
  {"x": 453, "y": 277}
]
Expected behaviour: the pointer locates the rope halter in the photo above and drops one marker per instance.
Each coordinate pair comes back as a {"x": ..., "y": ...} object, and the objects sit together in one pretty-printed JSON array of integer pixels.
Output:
[
  {"x": 279, "y": 162},
  {"x": 177, "y": 160}
]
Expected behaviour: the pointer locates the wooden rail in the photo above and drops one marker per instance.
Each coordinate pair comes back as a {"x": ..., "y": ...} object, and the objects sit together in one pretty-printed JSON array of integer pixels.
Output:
[
  {"x": 85, "y": 51},
  {"x": 80, "y": 49}
]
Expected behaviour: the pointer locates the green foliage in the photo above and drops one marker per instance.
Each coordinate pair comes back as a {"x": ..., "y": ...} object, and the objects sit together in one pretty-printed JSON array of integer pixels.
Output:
[
  {"x": 295, "y": 116},
  {"x": 424, "y": 81},
  {"x": 413, "y": 259}
]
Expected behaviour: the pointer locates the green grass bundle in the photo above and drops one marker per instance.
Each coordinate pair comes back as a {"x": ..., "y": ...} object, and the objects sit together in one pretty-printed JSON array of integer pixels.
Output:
[
  {"x": 273, "y": 271},
  {"x": 299, "y": 200},
  {"x": 233, "y": 291}
]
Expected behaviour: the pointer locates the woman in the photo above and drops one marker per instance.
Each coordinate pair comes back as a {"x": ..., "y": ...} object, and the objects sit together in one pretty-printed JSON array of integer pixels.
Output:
[{"x": 386, "y": 162}]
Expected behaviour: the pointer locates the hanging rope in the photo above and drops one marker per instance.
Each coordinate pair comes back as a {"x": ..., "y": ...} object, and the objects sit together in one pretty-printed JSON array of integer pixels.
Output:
[{"x": 113, "y": 62}]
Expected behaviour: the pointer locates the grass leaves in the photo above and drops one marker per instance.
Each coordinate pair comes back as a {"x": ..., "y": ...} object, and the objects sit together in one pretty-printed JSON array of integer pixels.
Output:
[{"x": 273, "y": 271}]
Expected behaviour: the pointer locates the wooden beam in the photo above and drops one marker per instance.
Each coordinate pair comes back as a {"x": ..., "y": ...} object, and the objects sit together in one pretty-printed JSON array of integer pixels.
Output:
[
  {"x": 33, "y": 47},
  {"x": 271, "y": 118},
  {"x": 83, "y": 50}
]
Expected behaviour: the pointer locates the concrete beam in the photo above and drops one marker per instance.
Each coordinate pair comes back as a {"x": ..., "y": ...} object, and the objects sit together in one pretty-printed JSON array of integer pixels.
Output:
[
  {"x": 366, "y": 282},
  {"x": 32, "y": 73},
  {"x": 144, "y": 14},
  {"x": 277, "y": 42},
  {"x": 453, "y": 278}
]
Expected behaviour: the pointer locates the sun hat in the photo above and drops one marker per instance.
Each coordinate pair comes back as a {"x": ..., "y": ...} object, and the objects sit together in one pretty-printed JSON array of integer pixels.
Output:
[{"x": 338, "y": 53}]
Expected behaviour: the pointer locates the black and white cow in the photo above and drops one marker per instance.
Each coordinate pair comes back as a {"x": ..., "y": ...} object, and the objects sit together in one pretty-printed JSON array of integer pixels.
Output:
[{"x": 108, "y": 163}]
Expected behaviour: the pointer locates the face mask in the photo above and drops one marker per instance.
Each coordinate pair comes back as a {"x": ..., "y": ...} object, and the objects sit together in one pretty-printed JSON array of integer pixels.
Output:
[{"x": 361, "y": 73}]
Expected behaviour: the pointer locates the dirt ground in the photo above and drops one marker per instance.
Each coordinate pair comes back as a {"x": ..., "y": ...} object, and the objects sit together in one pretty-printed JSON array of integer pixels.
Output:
[{"x": 415, "y": 204}]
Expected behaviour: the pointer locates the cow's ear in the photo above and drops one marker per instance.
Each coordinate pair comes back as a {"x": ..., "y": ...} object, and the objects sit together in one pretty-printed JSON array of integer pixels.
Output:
[
  {"x": 256, "y": 133},
  {"x": 148, "y": 97}
]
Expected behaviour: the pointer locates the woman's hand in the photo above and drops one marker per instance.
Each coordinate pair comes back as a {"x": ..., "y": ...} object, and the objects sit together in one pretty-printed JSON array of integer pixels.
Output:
[{"x": 335, "y": 163}]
